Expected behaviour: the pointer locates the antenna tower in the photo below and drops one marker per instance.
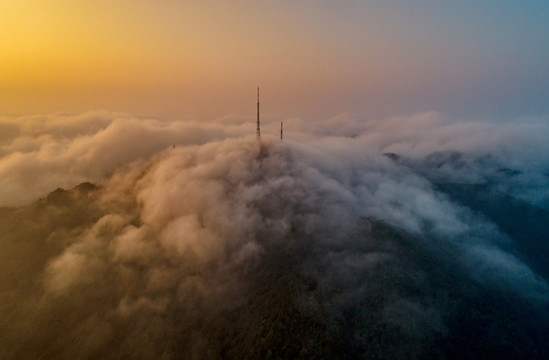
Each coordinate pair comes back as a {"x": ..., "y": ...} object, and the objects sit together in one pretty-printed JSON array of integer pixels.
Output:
[
  {"x": 258, "y": 128},
  {"x": 281, "y": 130}
]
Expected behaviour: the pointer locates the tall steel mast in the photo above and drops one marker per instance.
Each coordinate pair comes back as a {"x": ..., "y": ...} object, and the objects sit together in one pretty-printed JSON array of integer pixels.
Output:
[{"x": 258, "y": 128}]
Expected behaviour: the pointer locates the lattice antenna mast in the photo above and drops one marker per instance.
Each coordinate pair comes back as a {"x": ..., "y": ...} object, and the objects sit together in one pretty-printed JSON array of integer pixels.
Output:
[
  {"x": 258, "y": 127},
  {"x": 281, "y": 130}
]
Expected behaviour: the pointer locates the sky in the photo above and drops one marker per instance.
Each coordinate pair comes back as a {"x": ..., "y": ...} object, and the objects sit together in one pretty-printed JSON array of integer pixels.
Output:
[{"x": 313, "y": 59}]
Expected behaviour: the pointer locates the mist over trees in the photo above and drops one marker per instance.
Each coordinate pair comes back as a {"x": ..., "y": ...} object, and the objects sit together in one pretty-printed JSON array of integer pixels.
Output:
[{"x": 373, "y": 242}]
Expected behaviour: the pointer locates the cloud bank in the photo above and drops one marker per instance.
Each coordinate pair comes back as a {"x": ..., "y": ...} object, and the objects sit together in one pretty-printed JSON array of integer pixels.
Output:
[{"x": 349, "y": 239}]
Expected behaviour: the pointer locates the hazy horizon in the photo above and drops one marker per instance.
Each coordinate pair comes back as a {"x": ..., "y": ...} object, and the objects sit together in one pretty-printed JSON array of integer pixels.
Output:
[{"x": 313, "y": 59}]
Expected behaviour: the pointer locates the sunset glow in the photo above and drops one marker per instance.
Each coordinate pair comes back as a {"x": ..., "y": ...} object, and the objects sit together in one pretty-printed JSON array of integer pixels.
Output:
[
  {"x": 274, "y": 179},
  {"x": 312, "y": 57}
]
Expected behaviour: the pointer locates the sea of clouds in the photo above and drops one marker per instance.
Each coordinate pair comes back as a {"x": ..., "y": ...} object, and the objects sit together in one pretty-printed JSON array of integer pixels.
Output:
[{"x": 153, "y": 260}]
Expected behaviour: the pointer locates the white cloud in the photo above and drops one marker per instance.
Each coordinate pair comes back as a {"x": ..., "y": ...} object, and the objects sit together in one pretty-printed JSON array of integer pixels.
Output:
[{"x": 175, "y": 233}]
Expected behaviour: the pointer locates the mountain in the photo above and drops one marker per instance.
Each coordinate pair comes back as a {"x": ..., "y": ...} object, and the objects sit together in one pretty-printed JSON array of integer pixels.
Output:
[{"x": 378, "y": 292}]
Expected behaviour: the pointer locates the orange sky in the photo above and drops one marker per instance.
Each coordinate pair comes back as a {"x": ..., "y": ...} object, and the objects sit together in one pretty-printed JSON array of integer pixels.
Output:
[{"x": 169, "y": 58}]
